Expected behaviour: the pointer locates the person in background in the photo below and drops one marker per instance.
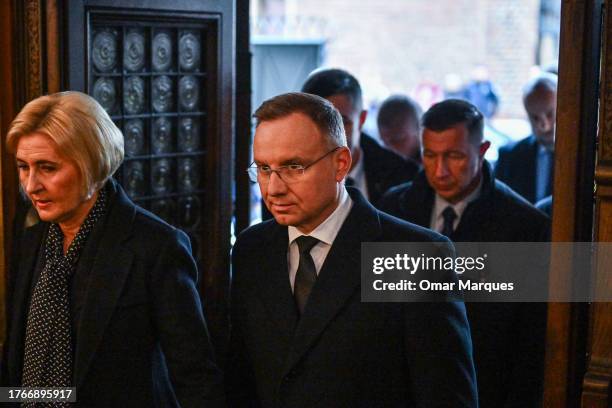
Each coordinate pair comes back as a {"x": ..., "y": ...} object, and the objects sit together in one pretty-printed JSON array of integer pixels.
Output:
[
  {"x": 481, "y": 92},
  {"x": 527, "y": 165},
  {"x": 105, "y": 293},
  {"x": 300, "y": 334},
  {"x": 374, "y": 169},
  {"x": 456, "y": 194},
  {"x": 399, "y": 126}
]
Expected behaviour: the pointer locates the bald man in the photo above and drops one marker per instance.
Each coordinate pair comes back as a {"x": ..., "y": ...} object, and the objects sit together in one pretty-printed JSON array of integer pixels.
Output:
[{"x": 527, "y": 165}]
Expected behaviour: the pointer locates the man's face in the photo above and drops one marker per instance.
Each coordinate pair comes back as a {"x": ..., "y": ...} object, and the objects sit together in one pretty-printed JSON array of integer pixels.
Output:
[
  {"x": 541, "y": 107},
  {"x": 50, "y": 179},
  {"x": 404, "y": 140},
  {"x": 452, "y": 165},
  {"x": 353, "y": 118},
  {"x": 295, "y": 139}
]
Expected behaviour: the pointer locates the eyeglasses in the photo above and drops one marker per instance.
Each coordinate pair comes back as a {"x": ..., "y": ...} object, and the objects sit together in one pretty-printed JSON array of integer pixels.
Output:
[{"x": 289, "y": 173}]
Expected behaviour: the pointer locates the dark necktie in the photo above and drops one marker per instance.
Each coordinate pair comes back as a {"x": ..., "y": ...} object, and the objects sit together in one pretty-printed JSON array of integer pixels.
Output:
[
  {"x": 306, "y": 274},
  {"x": 349, "y": 182},
  {"x": 449, "y": 216}
]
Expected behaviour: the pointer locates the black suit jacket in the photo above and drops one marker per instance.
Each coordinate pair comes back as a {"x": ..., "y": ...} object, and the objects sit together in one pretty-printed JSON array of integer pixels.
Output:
[
  {"x": 141, "y": 339},
  {"x": 508, "y": 337},
  {"x": 384, "y": 168},
  {"x": 342, "y": 352},
  {"x": 517, "y": 167}
]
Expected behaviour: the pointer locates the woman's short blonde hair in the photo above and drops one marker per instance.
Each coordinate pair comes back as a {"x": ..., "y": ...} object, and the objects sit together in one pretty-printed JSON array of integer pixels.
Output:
[{"x": 82, "y": 130}]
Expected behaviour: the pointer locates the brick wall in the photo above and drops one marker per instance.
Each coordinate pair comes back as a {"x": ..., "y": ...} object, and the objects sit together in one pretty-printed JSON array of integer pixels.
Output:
[{"x": 393, "y": 45}]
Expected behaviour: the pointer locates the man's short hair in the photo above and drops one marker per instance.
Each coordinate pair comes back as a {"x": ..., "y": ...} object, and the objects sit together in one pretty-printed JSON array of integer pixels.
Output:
[
  {"x": 452, "y": 112},
  {"x": 544, "y": 81},
  {"x": 80, "y": 127},
  {"x": 396, "y": 109},
  {"x": 324, "y": 115},
  {"x": 334, "y": 81}
]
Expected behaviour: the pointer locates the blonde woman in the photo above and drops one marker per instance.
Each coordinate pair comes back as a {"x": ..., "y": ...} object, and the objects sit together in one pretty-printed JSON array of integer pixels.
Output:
[{"x": 105, "y": 296}]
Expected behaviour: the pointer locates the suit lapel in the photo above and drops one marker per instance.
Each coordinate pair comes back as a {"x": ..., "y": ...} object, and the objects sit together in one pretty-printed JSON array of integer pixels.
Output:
[
  {"x": 419, "y": 203},
  {"x": 339, "y": 278},
  {"x": 478, "y": 212},
  {"x": 274, "y": 286},
  {"x": 20, "y": 298},
  {"x": 107, "y": 278}
]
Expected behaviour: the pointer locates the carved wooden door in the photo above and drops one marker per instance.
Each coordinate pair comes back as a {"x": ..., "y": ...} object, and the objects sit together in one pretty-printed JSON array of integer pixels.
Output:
[{"x": 164, "y": 74}]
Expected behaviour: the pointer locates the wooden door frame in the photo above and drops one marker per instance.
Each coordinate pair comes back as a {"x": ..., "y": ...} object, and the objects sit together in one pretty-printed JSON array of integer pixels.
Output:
[
  {"x": 22, "y": 41},
  {"x": 243, "y": 116},
  {"x": 577, "y": 113},
  {"x": 597, "y": 383}
]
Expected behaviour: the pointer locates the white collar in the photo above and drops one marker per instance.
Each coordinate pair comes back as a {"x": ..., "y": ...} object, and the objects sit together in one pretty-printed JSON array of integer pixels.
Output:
[
  {"x": 440, "y": 203},
  {"x": 544, "y": 149}
]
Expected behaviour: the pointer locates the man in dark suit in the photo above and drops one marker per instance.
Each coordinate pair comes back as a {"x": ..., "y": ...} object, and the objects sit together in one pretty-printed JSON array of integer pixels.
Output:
[
  {"x": 457, "y": 195},
  {"x": 527, "y": 166},
  {"x": 300, "y": 335},
  {"x": 374, "y": 169},
  {"x": 399, "y": 126}
]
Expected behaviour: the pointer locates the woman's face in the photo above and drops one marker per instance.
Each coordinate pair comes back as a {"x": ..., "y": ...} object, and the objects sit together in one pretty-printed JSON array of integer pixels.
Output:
[{"x": 51, "y": 180}]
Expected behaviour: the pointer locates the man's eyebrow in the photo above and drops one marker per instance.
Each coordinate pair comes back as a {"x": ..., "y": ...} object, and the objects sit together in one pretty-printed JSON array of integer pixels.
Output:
[
  {"x": 293, "y": 160},
  {"x": 426, "y": 150}
]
